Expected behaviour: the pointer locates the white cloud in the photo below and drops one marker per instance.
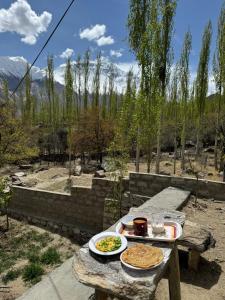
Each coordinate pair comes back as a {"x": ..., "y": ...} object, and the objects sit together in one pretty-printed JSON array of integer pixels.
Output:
[
  {"x": 67, "y": 53},
  {"x": 105, "y": 40},
  {"x": 116, "y": 53},
  {"x": 97, "y": 34},
  {"x": 21, "y": 19},
  {"x": 93, "y": 33}
]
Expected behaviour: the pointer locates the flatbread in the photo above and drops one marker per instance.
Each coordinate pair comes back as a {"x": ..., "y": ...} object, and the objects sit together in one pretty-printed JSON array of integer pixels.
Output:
[{"x": 143, "y": 256}]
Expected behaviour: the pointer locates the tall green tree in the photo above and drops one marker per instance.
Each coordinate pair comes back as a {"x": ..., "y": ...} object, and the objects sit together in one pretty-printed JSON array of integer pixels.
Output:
[
  {"x": 50, "y": 90},
  {"x": 168, "y": 9},
  {"x": 104, "y": 101},
  {"x": 111, "y": 90},
  {"x": 174, "y": 113},
  {"x": 86, "y": 70},
  {"x": 144, "y": 38},
  {"x": 28, "y": 99},
  {"x": 96, "y": 81},
  {"x": 78, "y": 71},
  {"x": 69, "y": 96},
  {"x": 219, "y": 76},
  {"x": 184, "y": 85},
  {"x": 202, "y": 81}
]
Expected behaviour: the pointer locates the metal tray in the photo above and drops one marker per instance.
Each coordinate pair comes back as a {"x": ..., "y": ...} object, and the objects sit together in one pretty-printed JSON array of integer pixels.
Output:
[{"x": 173, "y": 231}]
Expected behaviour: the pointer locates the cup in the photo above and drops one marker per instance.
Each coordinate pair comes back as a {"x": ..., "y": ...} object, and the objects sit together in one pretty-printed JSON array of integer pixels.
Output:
[
  {"x": 157, "y": 223},
  {"x": 140, "y": 226}
]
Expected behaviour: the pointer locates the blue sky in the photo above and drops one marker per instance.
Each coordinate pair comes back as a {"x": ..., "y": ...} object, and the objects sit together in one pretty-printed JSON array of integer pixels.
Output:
[{"x": 25, "y": 38}]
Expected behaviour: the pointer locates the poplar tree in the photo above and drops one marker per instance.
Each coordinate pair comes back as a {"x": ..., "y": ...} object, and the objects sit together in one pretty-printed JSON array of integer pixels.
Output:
[
  {"x": 104, "y": 101},
  {"x": 144, "y": 40},
  {"x": 184, "y": 75},
  {"x": 69, "y": 94},
  {"x": 28, "y": 98},
  {"x": 78, "y": 68},
  {"x": 168, "y": 8},
  {"x": 96, "y": 81},
  {"x": 219, "y": 76},
  {"x": 50, "y": 90},
  {"x": 111, "y": 92},
  {"x": 5, "y": 91},
  {"x": 175, "y": 111},
  {"x": 202, "y": 81},
  {"x": 86, "y": 70}
]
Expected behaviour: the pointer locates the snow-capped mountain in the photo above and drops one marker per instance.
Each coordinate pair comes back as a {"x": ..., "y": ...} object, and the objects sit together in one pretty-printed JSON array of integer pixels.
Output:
[
  {"x": 16, "y": 66},
  {"x": 13, "y": 69}
]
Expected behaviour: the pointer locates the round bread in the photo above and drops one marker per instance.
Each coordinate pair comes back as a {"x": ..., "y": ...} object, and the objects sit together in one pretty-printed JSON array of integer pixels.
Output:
[{"x": 142, "y": 256}]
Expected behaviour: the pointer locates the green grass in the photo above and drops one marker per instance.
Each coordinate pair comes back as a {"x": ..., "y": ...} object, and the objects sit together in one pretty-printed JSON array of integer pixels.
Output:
[
  {"x": 32, "y": 273},
  {"x": 23, "y": 246},
  {"x": 11, "y": 275},
  {"x": 50, "y": 257},
  {"x": 33, "y": 257}
]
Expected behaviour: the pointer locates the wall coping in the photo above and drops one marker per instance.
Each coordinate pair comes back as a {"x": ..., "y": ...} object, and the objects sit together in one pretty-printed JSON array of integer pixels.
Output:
[
  {"x": 39, "y": 190},
  {"x": 177, "y": 177}
]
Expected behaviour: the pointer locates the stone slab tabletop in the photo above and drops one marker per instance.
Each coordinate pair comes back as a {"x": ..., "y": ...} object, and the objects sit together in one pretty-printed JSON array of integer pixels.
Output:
[{"x": 110, "y": 276}]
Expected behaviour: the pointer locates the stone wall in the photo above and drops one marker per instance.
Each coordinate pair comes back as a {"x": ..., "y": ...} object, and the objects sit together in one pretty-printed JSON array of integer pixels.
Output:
[
  {"x": 151, "y": 184},
  {"x": 77, "y": 214}
]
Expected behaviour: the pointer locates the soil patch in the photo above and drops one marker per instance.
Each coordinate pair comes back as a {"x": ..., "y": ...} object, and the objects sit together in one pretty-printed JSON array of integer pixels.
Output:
[{"x": 209, "y": 282}]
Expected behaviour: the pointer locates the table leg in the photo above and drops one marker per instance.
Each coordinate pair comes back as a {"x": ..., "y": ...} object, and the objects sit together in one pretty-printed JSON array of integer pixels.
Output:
[
  {"x": 99, "y": 295},
  {"x": 174, "y": 275}
]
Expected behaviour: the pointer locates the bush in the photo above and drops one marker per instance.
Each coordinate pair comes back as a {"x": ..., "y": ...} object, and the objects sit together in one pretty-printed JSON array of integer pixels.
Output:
[
  {"x": 50, "y": 257},
  {"x": 32, "y": 273},
  {"x": 33, "y": 257},
  {"x": 11, "y": 275}
]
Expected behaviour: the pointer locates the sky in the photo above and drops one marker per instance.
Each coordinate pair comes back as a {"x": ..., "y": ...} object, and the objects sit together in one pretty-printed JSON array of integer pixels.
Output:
[{"x": 95, "y": 24}]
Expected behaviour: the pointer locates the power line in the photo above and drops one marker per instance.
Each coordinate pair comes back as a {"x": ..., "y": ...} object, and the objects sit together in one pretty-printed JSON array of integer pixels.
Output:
[{"x": 50, "y": 36}]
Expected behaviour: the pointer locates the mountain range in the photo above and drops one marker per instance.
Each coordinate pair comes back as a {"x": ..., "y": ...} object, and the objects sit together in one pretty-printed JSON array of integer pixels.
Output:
[{"x": 13, "y": 69}]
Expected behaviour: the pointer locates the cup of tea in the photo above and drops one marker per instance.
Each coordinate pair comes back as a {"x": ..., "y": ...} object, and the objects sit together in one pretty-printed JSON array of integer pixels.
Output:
[{"x": 140, "y": 226}]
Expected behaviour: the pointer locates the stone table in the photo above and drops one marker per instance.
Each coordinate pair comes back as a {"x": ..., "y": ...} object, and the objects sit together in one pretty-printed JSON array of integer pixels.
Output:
[{"x": 111, "y": 279}]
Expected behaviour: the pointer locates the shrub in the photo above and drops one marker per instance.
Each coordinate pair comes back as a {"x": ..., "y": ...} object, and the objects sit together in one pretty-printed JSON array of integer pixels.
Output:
[
  {"x": 11, "y": 275},
  {"x": 32, "y": 273},
  {"x": 33, "y": 257},
  {"x": 50, "y": 257}
]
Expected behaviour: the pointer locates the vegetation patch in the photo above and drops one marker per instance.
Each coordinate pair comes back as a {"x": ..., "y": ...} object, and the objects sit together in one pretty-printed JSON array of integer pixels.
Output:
[
  {"x": 50, "y": 257},
  {"x": 11, "y": 275},
  {"x": 32, "y": 273}
]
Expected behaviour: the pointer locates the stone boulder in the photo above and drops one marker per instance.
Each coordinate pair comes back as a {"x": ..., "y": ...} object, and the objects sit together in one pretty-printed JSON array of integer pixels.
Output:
[
  {"x": 77, "y": 170},
  {"x": 20, "y": 174},
  {"x": 99, "y": 174}
]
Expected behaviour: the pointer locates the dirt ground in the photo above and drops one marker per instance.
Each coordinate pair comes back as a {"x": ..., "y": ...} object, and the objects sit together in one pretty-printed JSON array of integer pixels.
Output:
[
  {"x": 55, "y": 179},
  {"x": 209, "y": 282},
  {"x": 166, "y": 165},
  {"x": 15, "y": 247}
]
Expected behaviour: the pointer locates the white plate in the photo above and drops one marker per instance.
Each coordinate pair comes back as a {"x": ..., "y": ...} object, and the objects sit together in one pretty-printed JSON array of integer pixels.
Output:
[
  {"x": 136, "y": 268},
  {"x": 105, "y": 234}
]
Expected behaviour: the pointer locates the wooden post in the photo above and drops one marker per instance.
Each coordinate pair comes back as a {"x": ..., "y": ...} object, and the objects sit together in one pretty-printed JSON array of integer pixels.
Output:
[
  {"x": 193, "y": 260},
  {"x": 99, "y": 295},
  {"x": 174, "y": 275}
]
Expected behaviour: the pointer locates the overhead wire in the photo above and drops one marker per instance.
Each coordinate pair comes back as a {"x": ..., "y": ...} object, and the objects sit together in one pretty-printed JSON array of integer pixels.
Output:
[{"x": 43, "y": 47}]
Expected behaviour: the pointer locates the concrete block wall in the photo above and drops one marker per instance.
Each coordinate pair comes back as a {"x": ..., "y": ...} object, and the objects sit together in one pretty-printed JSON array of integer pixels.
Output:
[
  {"x": 151, "y": 184},
  {"x": 83, "y": 212},
  {"x": 77, "y": 213}
]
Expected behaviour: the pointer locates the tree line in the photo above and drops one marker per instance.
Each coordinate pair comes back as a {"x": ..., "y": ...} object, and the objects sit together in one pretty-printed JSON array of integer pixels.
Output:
[{"x": 161, "y": 110}]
